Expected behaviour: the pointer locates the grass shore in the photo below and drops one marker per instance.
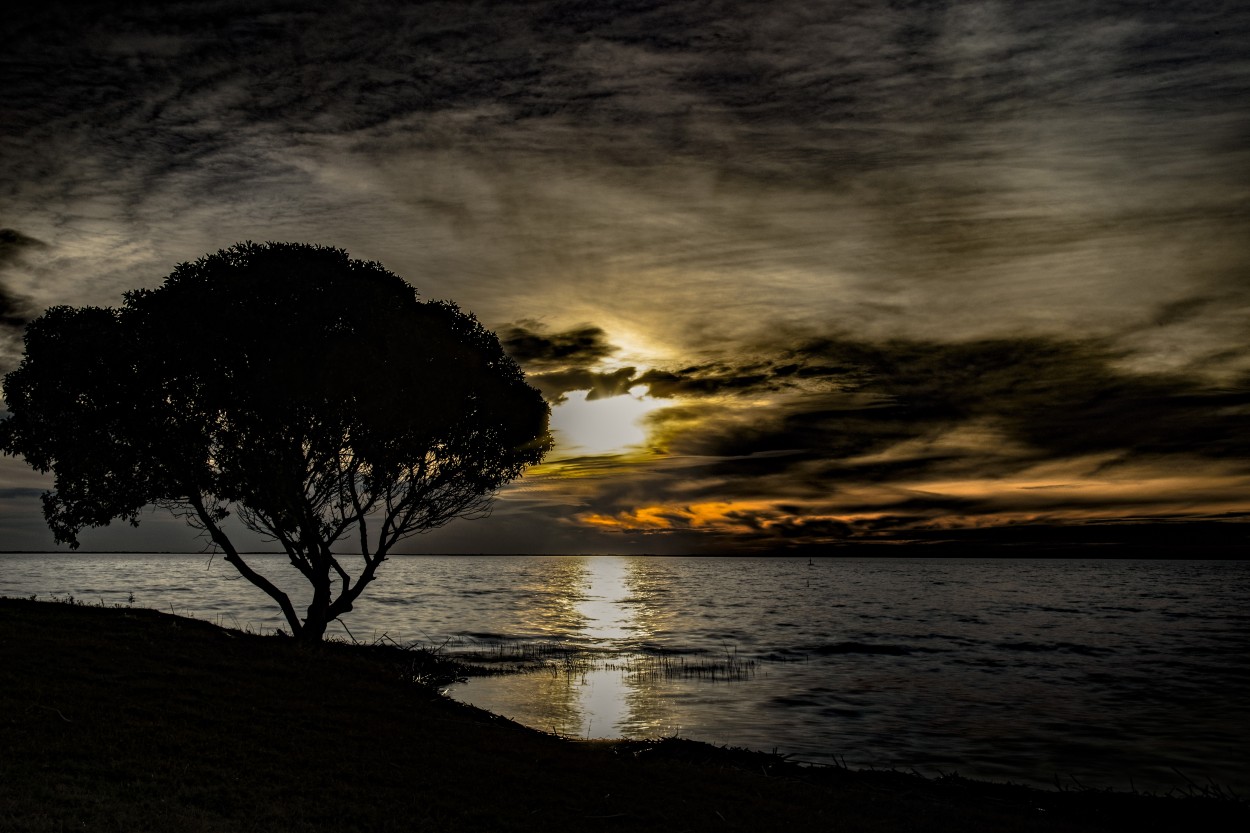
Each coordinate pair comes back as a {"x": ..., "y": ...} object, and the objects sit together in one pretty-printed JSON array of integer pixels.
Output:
[{"x": 134, "y": 720}]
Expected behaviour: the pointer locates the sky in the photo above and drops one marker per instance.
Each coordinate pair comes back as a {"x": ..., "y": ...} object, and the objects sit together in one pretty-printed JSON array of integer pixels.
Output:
[{"x": 793, "y": 275}]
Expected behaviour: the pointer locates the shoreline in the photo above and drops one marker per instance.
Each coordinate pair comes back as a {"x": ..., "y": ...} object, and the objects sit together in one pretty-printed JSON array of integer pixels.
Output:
[
  {"x": 145, "y": 720},
  {"x": 1195, "y": 551}
]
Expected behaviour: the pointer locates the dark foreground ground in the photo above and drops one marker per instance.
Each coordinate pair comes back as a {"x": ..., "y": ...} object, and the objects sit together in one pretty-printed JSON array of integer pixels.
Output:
[{"x": 132, "y": 720}]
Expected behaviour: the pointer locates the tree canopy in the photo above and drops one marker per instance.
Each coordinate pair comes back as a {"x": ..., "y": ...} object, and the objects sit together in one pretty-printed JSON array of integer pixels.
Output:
[{"x": 314, "y": 396}]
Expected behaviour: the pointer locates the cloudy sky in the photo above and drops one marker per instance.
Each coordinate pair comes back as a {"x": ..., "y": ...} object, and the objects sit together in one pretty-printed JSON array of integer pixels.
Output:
[{"x": 791, "y": 273}]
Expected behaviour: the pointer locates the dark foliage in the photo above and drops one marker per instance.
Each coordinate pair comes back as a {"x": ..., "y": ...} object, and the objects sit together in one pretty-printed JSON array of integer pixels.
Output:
[{"x": 313, "y": 395}]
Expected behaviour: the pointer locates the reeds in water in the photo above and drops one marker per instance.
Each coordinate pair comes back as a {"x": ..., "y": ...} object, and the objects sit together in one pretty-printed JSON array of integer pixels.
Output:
[{"x": 728, "y": 667}]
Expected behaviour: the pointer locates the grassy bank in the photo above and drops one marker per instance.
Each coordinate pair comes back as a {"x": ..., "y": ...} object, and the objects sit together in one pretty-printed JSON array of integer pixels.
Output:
[{"x": 128, "y": 719}]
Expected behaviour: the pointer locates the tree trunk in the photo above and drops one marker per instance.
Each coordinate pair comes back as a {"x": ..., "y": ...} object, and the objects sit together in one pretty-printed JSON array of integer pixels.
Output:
[
  {"x": 317, "y": 616},
  {"x": 236, "y": 560},
  {"x": 314, "y": 626}
]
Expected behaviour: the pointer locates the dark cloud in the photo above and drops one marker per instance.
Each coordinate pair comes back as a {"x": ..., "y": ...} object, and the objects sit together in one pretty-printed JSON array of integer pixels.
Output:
[
  {"x": 808, "y": 529},
  {"x": 703, "y": 381},
  {"x": 763, "y": 91},
  {"x": 555, "y": 384},
  {"x": 12, "y": 310},
  {"x": 924, "y": 533},
  {"x": 534, "y": 347},
  {"x": 20, "y": 492},
  {"x": 14, "y": 247},
  {"x": 1169, "y": 534},
  {"x": 695, "y": 138},
  {"x": 1183, "y": 310},
  {"x": 1058, "y": 398},
  {"x": 560, "y": 361}
]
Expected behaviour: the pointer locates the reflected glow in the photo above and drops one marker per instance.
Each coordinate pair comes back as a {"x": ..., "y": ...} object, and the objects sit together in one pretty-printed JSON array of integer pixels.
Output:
[
  {"x": 612, "y": 692},
  {"x": 603, "y": 607},
  {"x": 601, "y": 426},
  {"x": 613, "y": 700},
  {"x": 603, "y": 704}
]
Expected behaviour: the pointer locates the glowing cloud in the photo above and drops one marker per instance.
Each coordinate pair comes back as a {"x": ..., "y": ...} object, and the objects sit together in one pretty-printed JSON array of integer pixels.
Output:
[{"x": 587, "y": 426}]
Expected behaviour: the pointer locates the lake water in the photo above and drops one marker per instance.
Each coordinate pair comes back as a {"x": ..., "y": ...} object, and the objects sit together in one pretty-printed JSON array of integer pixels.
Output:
[{"x": 1115, "y": 673}]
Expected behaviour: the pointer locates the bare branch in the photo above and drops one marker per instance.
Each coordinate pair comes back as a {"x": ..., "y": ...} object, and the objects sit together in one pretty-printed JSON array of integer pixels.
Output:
[{"x": 232, "y": 557}]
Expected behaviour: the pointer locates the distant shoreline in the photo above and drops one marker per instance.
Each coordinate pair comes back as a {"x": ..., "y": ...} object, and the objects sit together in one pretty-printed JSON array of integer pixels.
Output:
[{"x": 1122, "y": 552}]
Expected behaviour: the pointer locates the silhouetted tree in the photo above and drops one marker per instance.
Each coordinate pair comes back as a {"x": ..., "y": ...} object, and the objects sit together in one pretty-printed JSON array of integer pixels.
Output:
[{"x": 312, "y": 395}]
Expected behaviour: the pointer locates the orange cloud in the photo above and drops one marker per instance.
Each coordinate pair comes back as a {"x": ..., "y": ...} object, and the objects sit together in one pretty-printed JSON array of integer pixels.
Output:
[{"x": 721, "y": 516}]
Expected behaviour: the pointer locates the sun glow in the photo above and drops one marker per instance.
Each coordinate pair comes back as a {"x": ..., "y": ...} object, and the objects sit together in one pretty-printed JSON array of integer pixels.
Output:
[{"x": 601, "y": 426}]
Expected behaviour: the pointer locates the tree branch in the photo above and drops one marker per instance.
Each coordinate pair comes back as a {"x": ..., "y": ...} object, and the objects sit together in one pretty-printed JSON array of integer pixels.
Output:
[{"x": 232, "y": 556}]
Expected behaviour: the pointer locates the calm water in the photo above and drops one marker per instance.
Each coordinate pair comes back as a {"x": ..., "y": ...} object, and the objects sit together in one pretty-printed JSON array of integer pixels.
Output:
[{"x": 1112, "y": 672}]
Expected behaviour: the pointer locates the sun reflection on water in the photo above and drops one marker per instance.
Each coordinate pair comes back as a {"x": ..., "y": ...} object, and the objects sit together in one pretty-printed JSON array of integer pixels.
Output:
[
  {"x": 604, "y": 688},
  {"x": 604, "y": 606}
]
